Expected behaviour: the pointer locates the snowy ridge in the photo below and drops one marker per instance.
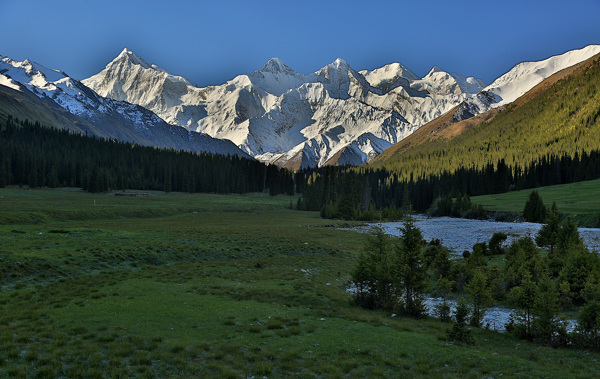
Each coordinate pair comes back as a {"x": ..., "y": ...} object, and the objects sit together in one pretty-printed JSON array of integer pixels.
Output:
[
  {"x": 335, "y": 115},
  {"x": 527, "y": 75},
  {"x": 8, "y": 82},
  {"x": 112, "y": 118},
  {"x": 277, "y": 115},
  {"x": 523, "y": 77}
]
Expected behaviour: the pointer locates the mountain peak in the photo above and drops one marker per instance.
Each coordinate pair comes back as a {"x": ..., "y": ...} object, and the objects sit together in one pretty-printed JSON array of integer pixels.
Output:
[
  {"x": 276, "y": 65},
  {"x": 129, "y": 56},
  {"x": 339, "y": 62},
  {"x": 435, "y": 69}
]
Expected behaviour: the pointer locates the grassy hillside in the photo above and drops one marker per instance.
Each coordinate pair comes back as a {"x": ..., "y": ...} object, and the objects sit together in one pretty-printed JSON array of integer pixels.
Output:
[
  {"x": 581, "y": 200},
  {"x": 559, "y": 116},
  {"x": 183, "y": 285}
]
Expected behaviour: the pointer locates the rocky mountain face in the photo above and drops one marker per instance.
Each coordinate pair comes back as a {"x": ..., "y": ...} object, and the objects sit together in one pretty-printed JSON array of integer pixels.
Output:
[
  {"x": 52, "y": 92},
  {"x": 333, "y": 116}
]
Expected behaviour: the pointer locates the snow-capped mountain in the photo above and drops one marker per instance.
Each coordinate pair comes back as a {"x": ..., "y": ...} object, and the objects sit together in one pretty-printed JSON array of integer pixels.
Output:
[
  {"x": 335, "y": 115},
  {"x": 522, "y": 78},
  {"x": 298, "y": 120},
  {"x": 104, "y": 117}
]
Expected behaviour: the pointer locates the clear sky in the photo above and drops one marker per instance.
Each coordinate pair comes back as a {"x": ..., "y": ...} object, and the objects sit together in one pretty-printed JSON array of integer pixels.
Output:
[{"x": 210, "y": 42}]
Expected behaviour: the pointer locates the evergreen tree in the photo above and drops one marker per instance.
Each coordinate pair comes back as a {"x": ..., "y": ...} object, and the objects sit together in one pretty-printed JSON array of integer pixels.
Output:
[
  {"x": 546, "y": 326},
  {"x": 524, "y": 297},
  {"x": 534, "y": 210},
  {"x": 3, "y": 174},
  {"x": 53, "y": 177},
  {"x": 495, "y": 244},
  {"x": 522, "y": 259},
  {"x": 94, "y": 181},
  {"x": 588, "y": 326},
  {"x": 459, "y": 331},
  {"x": 373, "y": 275},
  {"x": 548, "y": 234},
  {"x": 168, "y": 182},
  {"x": 568, "y": 237},
  {"x": 480, "y": 295},
  {"x": 443, "y": 288},
  {"x": 348, "y": 206},
  {"x": 412, "y": 272},
  {"x": 579, "y": 266}
]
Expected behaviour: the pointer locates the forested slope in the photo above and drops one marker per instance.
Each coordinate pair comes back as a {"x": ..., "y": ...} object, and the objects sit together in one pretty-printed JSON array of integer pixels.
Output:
[
  {"x": 38, "y": 156},
  {"x": 559, "y": 116}
]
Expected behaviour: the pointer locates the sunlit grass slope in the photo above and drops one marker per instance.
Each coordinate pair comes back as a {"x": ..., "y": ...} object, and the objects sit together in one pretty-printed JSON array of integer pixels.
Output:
[{"x": 581, "y": 200}]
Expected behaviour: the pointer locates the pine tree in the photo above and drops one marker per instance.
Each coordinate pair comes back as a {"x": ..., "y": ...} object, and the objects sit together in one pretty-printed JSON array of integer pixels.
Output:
[
  {"x": 548, "y": 234},
  {"x": 3, "y": 175},
  {"x": 53, "y": 177},
  {"x": 546, "y": 326},
  {"x": 373, "y": 275},
  {"x": 480, "y": 295},
  {"x": 411, "y": 269},
  {"x": 588, "y": 326},
  {"x": 348, "y": 206},
  {"x": 524, "y": 297},
  {"x": 459, "y": 331},
  {"x": 534, "y": 210}
]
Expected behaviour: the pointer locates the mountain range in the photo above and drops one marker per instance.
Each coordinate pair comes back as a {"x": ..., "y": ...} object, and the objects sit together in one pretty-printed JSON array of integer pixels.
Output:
[
  {"x": 336, "y": 115},
  {"x": 30, "y": 90}
]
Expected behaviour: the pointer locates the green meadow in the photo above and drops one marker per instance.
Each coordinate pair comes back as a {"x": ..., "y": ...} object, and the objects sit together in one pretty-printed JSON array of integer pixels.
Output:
[
  {"x": 180, "y": 285},
  {"x": 580, "y": 200}
]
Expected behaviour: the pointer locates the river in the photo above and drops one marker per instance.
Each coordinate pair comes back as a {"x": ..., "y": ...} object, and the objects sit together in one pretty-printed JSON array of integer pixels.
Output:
[{"x": 459, "y": 234}]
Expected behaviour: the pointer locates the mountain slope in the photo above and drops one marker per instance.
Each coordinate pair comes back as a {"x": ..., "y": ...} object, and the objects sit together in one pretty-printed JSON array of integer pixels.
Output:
[
  {"x": 296, "y": 120},
  {"x": 522, "y": 78},
  {"x": 30, "y": 90},
  {"x": 558, "y": 116}
]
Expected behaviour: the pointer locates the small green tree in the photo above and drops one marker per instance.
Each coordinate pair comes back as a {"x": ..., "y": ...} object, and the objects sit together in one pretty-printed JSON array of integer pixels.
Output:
[
  {"x": 459, "y": 331},
  {"x": 412, "y": 272},
  {"x": 588, "y": 326},
  {"x": 481, "y": 296},
  {"x": 568, "y": 237},
  {"x": 534, "y": 210},
  {"x": 548, "y": 234},
  {"x": 495, "y": 244},
  {"x": 524, "y": 297},
  {"x": 522, "y": 257},
  {"x": 546, "y": 326},
  {"x": 578, "y": 268},
  {"x": 476, "y": 259},
  {"x": 443, "y": 288},
  {"x": 373, "y": 275}
]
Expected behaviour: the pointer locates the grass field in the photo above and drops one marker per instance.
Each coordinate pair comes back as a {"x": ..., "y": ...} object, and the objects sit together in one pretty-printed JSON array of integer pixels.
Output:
[
  {"x": 581, "y": 200},
  {"x": 183, "y": 285}
]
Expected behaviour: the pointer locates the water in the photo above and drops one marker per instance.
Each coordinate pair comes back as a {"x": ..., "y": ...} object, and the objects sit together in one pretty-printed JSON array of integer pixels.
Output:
[{"x": 459, "y": 234}]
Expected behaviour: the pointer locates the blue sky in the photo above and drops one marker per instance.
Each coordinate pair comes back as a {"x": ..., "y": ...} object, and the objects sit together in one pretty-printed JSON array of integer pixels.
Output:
[{"x": 210, "y": 42}]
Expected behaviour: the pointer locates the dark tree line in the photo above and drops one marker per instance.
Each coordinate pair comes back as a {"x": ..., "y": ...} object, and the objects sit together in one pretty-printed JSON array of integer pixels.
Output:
[
  {"x": 37, "y": 156},
  {"x": 343, "y": 188}
]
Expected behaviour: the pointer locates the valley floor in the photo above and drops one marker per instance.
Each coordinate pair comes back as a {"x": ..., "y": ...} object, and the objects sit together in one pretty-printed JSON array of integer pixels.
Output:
[{"x": 178, "y": 285}]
